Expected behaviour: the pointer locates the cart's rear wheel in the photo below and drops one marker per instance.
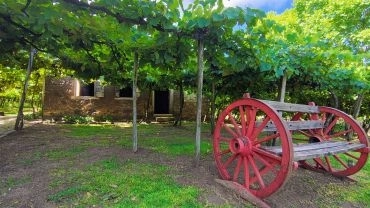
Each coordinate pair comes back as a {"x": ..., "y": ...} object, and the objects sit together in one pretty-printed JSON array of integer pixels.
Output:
[
  {"x": 338, "y": 126},
  {"x": 238, "y": 139}
]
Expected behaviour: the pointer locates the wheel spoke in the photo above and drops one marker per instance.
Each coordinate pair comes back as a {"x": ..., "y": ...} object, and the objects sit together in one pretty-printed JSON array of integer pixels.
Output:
[
  {"x": 261, "y": 127},
  {"x": 246, "y": 173},
  {"x": 262, "y": 172},
  {"x": 228, "y": 129},
  {"x": 224, "y": 139},
  {"x": 251, "y": 120},
  {"x": 265, "y": 162},
  {"x": 236, "y": 126},
  {"x": 274, "y": 158},
  {"x": 331, "y": 125},
  {"x": 242, "y": 120},
  {"x": 304, "y": 133},
  {"x": 267, "y": 138},
  {"x": 319, "y": 162},
  {"x": 237, "y": 169},
  {"x": 256, "y": 171},
  {"x": 328, "y": 163},
  {"x": 352, "y": 156},
  {"x": 230, "y": 160},
  {"x": 340, "y": 161},
  {"x": 223, "y": 152},
  {"x": 342, "y": 133}
]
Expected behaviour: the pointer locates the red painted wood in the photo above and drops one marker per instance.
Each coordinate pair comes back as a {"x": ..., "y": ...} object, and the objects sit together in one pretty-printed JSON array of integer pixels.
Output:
[
  {"x": 236, "y": 142},
  {"x": 339, "y": 127}
]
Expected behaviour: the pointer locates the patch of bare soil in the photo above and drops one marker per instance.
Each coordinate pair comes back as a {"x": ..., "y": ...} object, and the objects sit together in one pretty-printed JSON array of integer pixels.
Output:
[{"x": 21, "y": 159}]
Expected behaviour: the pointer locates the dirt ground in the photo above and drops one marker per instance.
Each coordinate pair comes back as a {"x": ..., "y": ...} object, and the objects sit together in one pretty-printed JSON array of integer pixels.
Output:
[{"x": 301, "y": 189}]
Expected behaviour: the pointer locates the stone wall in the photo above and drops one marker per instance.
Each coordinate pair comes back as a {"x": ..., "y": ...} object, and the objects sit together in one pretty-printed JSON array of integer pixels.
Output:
[{"x": 60, "y": 100}]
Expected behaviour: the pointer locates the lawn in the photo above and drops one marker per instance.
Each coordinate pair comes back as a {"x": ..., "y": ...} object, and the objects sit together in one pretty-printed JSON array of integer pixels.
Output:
[{"x": 94, "y": 166}]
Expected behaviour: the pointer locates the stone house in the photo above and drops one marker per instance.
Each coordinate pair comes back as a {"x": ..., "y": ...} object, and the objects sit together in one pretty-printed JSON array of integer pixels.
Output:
[{"x": 69, "y": 96}]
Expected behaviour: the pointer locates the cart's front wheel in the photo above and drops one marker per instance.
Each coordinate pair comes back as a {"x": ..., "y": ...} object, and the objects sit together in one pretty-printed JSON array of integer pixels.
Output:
[{"x": 241, "y": 132}]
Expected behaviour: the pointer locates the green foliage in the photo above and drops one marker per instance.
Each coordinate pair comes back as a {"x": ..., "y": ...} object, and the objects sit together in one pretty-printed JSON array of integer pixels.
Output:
[
  {"x": 77, "y": 119},
  {"x": 113, "y": 183},
  {"x": 32, "y": 116}
]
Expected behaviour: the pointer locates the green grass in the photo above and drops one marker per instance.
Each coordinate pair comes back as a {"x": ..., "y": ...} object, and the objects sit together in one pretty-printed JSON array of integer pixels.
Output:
[
  {"x": 12, "y": 182},
  {"x": 111, "y": 183},
  {"x": 58, "y": 154},
  {"x": 86, "y": 131},
  {"x": 360, "y": 192},
  {"x": 160, "y": 138}
]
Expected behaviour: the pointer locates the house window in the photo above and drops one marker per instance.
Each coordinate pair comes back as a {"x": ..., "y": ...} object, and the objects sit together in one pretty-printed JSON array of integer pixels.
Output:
[
  {"x": 93, "y": 89},
  {"x": 125, "y": 92}
]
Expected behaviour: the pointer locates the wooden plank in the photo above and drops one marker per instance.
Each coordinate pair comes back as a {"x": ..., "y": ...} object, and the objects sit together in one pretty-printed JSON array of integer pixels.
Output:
[
  {"x": 319, "y": 149},
  {"x": 306, "y": 147},
  {"x": 243, "y": 193},
  {"x": 318, "y": 145},
  {"x": 296, "y": 125},
  {"x": 304, "y": 155},
  {"x": 292, "y": 107}
]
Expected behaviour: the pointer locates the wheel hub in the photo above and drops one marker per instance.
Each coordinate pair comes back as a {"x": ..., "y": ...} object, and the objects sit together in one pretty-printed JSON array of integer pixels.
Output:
[
  {"x": 240, "y": 146},
  {"x": 315, "y": 138}
]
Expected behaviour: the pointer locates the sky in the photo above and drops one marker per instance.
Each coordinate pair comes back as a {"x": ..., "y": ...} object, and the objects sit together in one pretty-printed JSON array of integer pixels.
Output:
[{"x": 266, "y": 5}]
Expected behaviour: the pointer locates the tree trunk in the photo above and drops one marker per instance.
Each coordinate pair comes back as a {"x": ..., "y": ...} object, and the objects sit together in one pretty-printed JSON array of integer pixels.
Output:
[
  {"x": 199, "y": 101},
  {"x": 43, "y": 98},
  {"x": 282, "y": 88},
  {"x": 335, "y": 104},
  {"x": 357, "y": 106},
  {"x": 19, "y": 121},
  {"x": 134, "y": 106},
  {"x": 281, "y": 97},
  {"x": 213, "y": 107},
  {"x": 334, "y": 99},
  {"x": 181, "y": 107},
  {"x": 33, "y": 97},
  {"x": 148, "y": 105}
]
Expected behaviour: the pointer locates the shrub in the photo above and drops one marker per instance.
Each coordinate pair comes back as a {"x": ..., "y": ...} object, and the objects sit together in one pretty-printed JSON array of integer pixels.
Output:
[
  {"x": 104, "y": 118},
  {"x": 77, "y": 119}
]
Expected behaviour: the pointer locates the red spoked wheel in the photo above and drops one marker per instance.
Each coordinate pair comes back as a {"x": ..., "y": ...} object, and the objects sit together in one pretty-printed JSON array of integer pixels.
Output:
[
  {"x": 338, "y": 126},
  {"x": 238, "y": 141}
]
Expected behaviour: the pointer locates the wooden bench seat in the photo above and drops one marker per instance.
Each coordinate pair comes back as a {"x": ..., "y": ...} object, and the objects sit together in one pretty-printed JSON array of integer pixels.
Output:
[
  {"x": 295, "y": 125},
  {"x": 291, "y": 107},
  {"x": 318, "y": 149}
]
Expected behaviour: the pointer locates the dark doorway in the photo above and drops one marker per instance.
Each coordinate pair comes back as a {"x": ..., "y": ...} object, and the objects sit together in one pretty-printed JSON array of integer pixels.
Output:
[
  {"x": 161, "y": 102},
  {"x": 87, "y": 89}
]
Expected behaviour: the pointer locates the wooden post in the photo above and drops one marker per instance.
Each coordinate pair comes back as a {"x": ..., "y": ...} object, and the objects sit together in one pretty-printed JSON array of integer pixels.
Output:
[
  {"x": 19, "y": 121},
  {"x": 134, "y": 97},
  {"x": 199, "y": 100},
  {"x": 283, "y": 87}
]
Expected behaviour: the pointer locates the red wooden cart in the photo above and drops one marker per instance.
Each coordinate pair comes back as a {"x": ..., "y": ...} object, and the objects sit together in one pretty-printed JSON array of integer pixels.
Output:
[{"x": 257, "y": 143}]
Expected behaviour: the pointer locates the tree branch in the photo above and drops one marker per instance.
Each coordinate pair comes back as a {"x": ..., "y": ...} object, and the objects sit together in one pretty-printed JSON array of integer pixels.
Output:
[
  {"x": 119, "y": 18},
  {"x": 25, "y": 7},
  {"x": 8, "y": 19}
]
